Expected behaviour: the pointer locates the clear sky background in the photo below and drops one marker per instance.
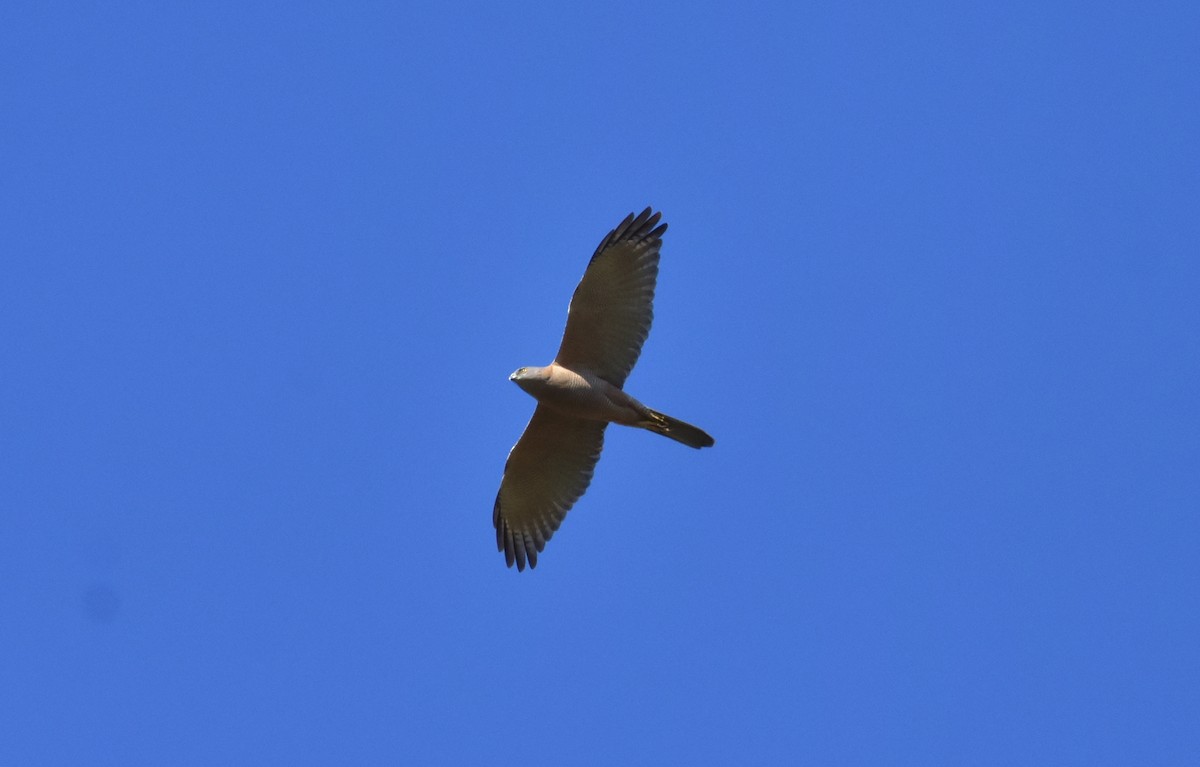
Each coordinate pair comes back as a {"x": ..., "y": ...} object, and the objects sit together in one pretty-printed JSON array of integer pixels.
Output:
[{"x": 931, "y": 281}]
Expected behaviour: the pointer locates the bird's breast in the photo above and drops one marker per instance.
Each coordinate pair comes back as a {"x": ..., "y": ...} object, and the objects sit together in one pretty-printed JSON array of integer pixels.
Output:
[{"x": 578, "y": 395}]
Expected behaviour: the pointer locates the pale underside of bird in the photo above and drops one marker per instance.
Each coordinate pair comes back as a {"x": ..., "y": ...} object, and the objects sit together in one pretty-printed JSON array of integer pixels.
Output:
[{"x": 580, "y": 392}]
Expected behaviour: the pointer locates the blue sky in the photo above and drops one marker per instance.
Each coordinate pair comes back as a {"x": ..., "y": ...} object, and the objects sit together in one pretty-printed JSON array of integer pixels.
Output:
[{"x": 931, "y": 281}]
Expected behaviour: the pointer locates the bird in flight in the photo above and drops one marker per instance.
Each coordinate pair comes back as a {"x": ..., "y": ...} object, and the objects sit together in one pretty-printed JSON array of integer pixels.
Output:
[{"x": 580, "y": 392}]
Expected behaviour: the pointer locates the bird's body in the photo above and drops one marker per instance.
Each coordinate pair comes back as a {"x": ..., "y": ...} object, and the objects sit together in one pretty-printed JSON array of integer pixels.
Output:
[{"x": 581, "y": 392}]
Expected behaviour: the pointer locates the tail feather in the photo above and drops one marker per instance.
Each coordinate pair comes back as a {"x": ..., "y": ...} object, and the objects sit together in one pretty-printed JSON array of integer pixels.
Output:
[{"x": 677, "y": 430}]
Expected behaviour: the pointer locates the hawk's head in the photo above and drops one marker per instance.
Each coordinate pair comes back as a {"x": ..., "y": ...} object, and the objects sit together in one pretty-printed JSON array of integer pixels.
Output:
[{"x": 530, "y": 379}]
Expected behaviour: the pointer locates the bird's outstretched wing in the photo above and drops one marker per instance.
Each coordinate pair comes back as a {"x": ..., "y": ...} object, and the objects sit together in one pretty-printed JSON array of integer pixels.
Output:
[
  {"x": 546, "y": 472},
  {"x": 612, "y": 308}
]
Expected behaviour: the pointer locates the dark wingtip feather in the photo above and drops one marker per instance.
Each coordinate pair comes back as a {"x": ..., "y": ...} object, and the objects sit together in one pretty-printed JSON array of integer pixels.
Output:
[
  {"x": 504, "y": 539},
  {"x": 518, "y": 548},
  {"x": 643, "y": 227}
]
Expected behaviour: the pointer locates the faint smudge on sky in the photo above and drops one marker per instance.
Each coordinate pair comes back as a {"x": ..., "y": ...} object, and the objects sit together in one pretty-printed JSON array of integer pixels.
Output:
[{"x": 101, "y": 603}]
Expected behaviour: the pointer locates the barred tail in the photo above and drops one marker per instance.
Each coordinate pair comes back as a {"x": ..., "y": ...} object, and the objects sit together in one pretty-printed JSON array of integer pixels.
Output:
[{"x": 677, "y": 430}]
